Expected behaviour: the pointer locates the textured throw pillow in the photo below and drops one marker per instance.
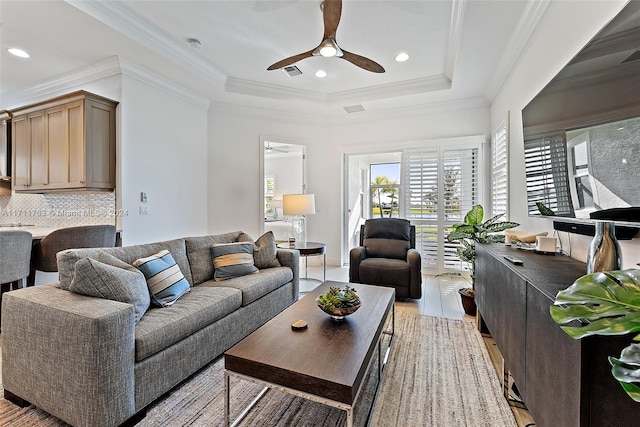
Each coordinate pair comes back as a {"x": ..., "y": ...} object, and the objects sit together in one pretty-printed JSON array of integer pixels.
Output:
[
  {"x": 117, "y": 281},
  {"x": 165, "y": 280},
  {"x": 233, "y": 260},
  {"x": 264, "y": 250}
]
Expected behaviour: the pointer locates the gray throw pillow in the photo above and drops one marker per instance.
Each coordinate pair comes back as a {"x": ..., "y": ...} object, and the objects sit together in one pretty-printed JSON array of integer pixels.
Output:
[
  {"x": 232, "y": 260},
  {"x": 120, "y": 282},
  {"x": 265, "y": 251}
]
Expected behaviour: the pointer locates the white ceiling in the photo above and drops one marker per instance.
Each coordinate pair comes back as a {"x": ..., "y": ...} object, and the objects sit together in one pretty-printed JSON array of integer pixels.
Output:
[{"x": 461, "y": 50}]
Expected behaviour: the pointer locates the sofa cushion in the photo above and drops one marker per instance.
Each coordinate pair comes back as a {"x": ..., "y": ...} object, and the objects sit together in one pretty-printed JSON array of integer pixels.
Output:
[
  {"x": 165, "y": 280},
  {"x": 264, "y": 250},
  {"x": 67, "y": 259},
  {"x": 385, "y": 271},
  {"x": 160, "y": 328},
  {"x": 255, "y": 286},
  {"x": 233, "y": 260},
  {"x": 200, "y": 255},
  {"x": 114, "y": 280}
]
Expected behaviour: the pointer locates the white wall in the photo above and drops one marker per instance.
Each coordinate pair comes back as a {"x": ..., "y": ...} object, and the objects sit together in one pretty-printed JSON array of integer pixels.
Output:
[
  {"x": 565, "y": 29},
  {"x": 235, "y": 150},
  {"x": 163, "y": 152}
]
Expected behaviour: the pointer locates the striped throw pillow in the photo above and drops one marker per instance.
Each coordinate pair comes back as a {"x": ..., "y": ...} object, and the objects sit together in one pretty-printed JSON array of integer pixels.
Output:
[
  {"x": 233, "y": 260},
  {"x": 165, "y": 281}
]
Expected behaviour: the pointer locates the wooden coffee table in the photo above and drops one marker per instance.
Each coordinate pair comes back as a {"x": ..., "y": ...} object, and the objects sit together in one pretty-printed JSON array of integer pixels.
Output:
[{"x": 327, "y": 362}]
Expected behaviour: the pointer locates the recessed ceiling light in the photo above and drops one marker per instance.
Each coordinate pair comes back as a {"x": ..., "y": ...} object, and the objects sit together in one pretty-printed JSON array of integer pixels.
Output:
[
  {"x": 321, "y": 73},
  {"x": 18, "y": 52},
  {"x": 401, "y": 57}
]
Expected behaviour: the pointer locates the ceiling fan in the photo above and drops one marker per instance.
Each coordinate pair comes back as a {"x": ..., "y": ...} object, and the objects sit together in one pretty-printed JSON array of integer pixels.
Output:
[
  {"x": 268, "y": 148},
  {"x": 331, "y": 11}
]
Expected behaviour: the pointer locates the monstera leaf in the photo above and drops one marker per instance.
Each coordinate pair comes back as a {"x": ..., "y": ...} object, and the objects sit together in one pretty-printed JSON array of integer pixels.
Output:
[
  {"x": 606, "y": 303},
  {"x": 626, "y": 370},
  {"x": 609, "y": 301}
]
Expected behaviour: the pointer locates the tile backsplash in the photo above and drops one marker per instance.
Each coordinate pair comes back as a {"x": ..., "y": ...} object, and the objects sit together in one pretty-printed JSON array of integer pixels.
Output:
[{"x": 57, "y": 210}]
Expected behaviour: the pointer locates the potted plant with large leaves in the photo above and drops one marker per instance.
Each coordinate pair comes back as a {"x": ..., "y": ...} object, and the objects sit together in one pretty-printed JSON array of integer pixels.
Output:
[
  {"x": 473, "y": 231},
  {"x": 606, "y": 303}
]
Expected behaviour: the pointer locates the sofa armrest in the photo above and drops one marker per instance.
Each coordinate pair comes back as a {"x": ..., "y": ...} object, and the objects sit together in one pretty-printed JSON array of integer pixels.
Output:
[
  {"x": 70, "y": 355},
  {"x": 356, "y": 255},
  {"x": 291, "y": 258},
  {"x": 415, "y": 268}
]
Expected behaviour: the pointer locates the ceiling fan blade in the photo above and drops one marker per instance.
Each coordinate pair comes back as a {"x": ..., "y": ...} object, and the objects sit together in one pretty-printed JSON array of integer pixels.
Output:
[
  {"x": 291, "y": 60},
  {"x": 362, "y": 62},
  {"x": 331, "y": 11}
]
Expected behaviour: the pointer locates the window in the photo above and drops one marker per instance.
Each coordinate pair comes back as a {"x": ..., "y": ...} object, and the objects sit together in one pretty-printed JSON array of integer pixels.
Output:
[
  {"x": 385, "y": 190},
  {"x": 500, "y": 172}
]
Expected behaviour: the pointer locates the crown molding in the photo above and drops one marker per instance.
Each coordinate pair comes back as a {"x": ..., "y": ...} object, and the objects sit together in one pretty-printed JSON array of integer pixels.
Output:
[
  {"x": 126, "y": 21},
  {"x": 146, "y": 76},
  {"x": 455, "y": 37},
  {"x": 410, "y": 111},
  {"x": 526, "y": 26},
  {"x": 269, "y": 114},
  {"x": 67, "y": 82},
  {"x": 391, "y": 90},
  {"x": 265, "y": 90}
]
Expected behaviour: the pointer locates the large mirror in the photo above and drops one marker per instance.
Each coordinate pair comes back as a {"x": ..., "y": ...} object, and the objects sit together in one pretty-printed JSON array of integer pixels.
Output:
[
  {"x": 582, "y": 131},
  {"x": 284, "y": 173}
]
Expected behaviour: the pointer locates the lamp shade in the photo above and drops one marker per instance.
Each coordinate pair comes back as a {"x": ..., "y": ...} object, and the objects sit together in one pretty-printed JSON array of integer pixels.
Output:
[
  {"x": 299, "y": 204},
  {"x": 276, "y": 203}
]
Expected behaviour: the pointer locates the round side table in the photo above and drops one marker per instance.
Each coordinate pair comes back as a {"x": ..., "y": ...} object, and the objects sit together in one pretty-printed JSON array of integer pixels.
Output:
[{"x": 306, "y": 250}]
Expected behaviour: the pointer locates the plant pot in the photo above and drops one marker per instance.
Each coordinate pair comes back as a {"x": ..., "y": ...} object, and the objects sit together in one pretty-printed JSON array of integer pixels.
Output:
[{"x": 468, "y": 301}]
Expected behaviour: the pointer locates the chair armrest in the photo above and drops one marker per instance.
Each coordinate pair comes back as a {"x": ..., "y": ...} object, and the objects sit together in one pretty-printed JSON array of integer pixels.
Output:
[
  {"x": 291, "y": 258},
  {"x": 69, "y": 354},
  {"x": 356, "y": 255},
  {"x": 415, "y": 270}
]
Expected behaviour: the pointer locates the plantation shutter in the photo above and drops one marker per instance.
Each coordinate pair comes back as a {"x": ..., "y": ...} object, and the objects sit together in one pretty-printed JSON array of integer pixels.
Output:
[
  {"x": 547, "y": 176},
  {"x": 421, "y": 201},
  {"x": 499, "y": 172},
  {"x": 441, "y": 186}
]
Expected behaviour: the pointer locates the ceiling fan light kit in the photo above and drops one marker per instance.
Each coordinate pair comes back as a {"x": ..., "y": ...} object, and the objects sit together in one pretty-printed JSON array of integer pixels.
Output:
[{"x": 331, "y": 12}]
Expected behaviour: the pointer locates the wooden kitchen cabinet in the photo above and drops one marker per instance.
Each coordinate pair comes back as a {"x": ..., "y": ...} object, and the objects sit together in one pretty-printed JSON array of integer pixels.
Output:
[{"x": 67, "y": 143}]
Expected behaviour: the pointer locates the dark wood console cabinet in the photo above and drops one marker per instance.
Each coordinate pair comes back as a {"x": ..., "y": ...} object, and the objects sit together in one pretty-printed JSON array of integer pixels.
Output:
[{"x": 563, "y": 382}]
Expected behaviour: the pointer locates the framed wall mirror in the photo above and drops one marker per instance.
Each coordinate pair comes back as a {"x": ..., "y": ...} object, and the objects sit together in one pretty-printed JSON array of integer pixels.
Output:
[{"x": 284, "y": 172}]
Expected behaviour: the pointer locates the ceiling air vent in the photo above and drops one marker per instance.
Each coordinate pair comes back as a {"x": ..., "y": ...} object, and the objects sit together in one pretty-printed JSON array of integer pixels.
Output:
[
  {"x": 633, "y": 57},
  {"x": 354, "y": 108},
  {"x": 291, "y": 70}
]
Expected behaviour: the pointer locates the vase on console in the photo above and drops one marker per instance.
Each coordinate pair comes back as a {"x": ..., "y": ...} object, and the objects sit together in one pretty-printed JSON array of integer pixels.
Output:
[{"x": 604, "y": 251}]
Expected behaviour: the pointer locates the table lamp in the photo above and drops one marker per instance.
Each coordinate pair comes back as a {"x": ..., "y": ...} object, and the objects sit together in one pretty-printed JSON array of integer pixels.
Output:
[
  {"x": 275, "y": 204},
  {"x": 299, "y": 205}
]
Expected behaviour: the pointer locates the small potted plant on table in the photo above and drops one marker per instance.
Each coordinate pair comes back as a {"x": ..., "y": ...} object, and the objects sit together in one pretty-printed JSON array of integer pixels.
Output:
[{"x": 470, "y": 232}]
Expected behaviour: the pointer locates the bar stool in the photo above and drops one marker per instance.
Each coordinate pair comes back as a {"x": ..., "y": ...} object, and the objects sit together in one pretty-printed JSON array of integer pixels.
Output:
[
  {"x": 43, "y": 257},
  {"x": 15, "y": 257}
]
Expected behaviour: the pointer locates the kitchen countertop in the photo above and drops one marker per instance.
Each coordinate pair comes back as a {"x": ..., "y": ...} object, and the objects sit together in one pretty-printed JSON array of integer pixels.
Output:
[{"x": 37, "y": 232}]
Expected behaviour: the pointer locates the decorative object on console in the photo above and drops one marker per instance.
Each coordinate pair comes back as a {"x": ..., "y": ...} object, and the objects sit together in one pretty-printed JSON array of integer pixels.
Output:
[
  {"x": 522, "y": 236},
  {"x": 299, "y": 205},
  {"x": 339, "y": 303},
  {"x": 473, "y": 231},
  {"x": 610, "y": 303},
  {"x": 604, "y": 252},
  {"x": 546, "y": 245}
]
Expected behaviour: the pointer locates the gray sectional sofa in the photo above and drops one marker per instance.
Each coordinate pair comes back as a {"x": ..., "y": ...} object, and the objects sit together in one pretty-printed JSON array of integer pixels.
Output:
[{"x": 86, "y": 361}]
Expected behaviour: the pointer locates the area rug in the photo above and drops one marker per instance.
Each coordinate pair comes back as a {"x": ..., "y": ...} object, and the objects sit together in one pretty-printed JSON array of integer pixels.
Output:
[{"x": 439, "y": 374}]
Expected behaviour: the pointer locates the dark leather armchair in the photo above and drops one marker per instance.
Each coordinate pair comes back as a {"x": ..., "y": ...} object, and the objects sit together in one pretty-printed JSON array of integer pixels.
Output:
[{"x": 387, "y": 257}]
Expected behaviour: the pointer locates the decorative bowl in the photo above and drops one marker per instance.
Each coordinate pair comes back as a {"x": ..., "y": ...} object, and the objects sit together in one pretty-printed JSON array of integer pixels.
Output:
[{"x": 339, "y": 303}]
